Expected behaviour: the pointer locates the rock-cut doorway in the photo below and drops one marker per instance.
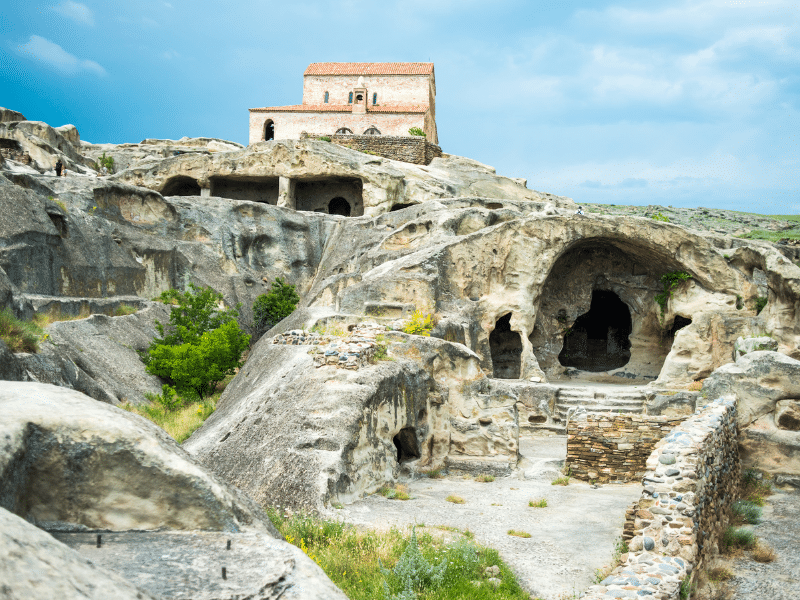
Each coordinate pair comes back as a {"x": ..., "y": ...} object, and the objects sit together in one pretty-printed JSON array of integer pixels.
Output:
[{"x": 599, "y": 339}]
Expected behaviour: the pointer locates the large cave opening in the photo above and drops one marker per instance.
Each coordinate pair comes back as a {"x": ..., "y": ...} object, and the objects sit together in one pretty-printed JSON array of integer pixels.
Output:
[
  {"x": 406, "y": 443},
  {"x": 181, "y": 186},
  {"x": 255, "y": 189},
  {"x": 333, "y": 195},
  {"x": 506, "y": 349},
  {"x": 599, "y": 339}
]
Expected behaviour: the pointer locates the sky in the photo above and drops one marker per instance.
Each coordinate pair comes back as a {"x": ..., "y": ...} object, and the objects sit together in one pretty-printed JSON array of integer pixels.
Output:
[{"x": 677, "y": 103}]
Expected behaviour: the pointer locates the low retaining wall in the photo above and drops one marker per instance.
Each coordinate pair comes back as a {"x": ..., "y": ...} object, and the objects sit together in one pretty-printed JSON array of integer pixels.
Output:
[
  {"x": 691, "y": 481},
  {"x": 411, "y": 149},
  {"x": 614, "y": 447}
]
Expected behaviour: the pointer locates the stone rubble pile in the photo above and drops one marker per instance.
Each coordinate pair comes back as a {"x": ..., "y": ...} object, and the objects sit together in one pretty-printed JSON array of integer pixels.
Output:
[
  {"x": 690, "y": 484},
  {"x": 351, "y": 351}
]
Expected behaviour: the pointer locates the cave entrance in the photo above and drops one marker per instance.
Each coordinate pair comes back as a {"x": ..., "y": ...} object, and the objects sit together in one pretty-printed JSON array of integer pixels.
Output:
[
  {"x": 406, "y": 443},
  {"x": 181, "y": 186},
  {"x": 506, "y": 349},
  {"x": 599, "y": 339},
  {"x": 400, "y": 207},
  {"x": 339, "y": 206}
]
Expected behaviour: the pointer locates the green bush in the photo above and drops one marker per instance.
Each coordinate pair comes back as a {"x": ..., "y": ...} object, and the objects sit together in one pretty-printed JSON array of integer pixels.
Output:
[
  {"x": 198, "y": 367},
  {"x": 412, "y": 573},
  {"x": 271, "y": 308},
  {"x": 416, "y": 131},
  {"x": 168, "y": 399},
  {"x": 107, "y": 162},
  {"x": 420, "y": 324},
  {"x": 324, "y": 138},
  {"x": 747, "y": 511},
  {"x": 761, "y": 302},
  {"x": 202, "y": 346},
  {"x": 660, "y": 217},
  {"x": 19, "y": 336},
  {"x": 734, "y": 538}
]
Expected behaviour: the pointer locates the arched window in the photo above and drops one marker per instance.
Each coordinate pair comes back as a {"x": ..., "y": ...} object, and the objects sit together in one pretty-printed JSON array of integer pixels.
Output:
[
  {"x": 344, "y": 131},
  {"x": 326, "y": 97},
  {"x": 350, "y": 99},
  {"x": 374, "y": 98},
  {"x": 372, "y": 130},
  {"x": 269, "y": 130}
]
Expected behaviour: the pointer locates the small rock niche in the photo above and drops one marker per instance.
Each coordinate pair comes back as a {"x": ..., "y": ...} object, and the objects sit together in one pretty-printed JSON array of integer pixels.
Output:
[{"x": 406, "y": 443}]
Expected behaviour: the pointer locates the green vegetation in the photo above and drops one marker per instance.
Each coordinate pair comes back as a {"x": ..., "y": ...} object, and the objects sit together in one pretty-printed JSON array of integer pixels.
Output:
[
  {"x": 124, "y": 309},
  {"x": 561, "y": 481},
  {"x": 734, "y": 539},
  {"x": 754, "y": 488},
  {"x": 432, "y": 474},
  {"x": 771, "y": 236},
  {"x": 745, "y": 511},
  {"x": 398, "y": 492},
  {"x": 485, "y": 478},
  {"x": 107, "y": 162},
  {"x": 370, "y": 565},
  {"x": 271, "y": 308},
  {"x": 420, "y": 324},
  {"x": 670, "y": 281},
  {"x": 455, "y": 499},
  {"x": 761, "y": 302},
  {"x": 416, "y": 131},
  {"x": 538, "y": 503},
  {"x": 324, "y": 138},
  {"x": 522, "y": 534},
  {"x": 203, "y": 346},
  {"x": 660, "y": 217},
  {"x": 381, "y": 350},
  {"x": 19, "y": 335}
]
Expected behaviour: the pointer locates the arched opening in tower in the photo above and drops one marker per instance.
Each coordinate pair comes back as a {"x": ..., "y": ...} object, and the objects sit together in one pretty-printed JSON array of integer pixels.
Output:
[
  {"x": 269, "y": 131},
  {"x": 406, "y": 443},
  {"x": 599, "y": 339},
  {"x": 339, "y": 206},
  {"x": 506, "y": 349}
]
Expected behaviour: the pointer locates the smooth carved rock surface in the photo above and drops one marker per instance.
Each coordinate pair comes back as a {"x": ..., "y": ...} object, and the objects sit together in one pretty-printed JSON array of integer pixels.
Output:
[
  {"x": 290, "y": 433},
  {"x": 35, "y": 565},
  {"x": 70, "y": 462},
  {"x": 766, "y": 385}
]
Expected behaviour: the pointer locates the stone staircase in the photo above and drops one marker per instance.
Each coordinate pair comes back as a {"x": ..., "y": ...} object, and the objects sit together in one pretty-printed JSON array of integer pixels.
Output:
[{"x": 596, "y": 400}]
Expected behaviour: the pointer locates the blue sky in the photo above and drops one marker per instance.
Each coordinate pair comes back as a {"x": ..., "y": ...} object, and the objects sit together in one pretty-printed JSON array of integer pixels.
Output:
[{"x": 683, "y": 103}]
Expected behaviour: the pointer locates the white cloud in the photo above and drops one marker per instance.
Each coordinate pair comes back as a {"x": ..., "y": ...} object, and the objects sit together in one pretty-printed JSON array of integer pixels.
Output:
[
  {"x": 54, "y": 56},
  {"x": 80, "y": 13}
]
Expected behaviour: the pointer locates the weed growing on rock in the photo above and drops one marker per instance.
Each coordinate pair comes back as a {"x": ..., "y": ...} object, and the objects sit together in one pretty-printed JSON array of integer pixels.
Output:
[
  {"x": 416, "y": 131},
  {"x": 760, "y": 303},
  {"x": 670, "y": 281},
  {"x": 420, "y": 324},
  {"x": 455, "y": 499},
  {"x": 660, "y": 217},
  {"x": 754, "y": 487},
  {"x": 560, "y": 481},
  {"x": 695, "y": 386},
  {"x": 538, "y": 503},
  {"x": 125, "y": 309},
  {"x": 485, "y": 478},
  {"x": 19, "y": 335},
  {"x": 354, "y": 560},
  {"x": 522, "y": 534},
  {"x": 398, "y": 492},
  {"x": 432, "y": 474}
]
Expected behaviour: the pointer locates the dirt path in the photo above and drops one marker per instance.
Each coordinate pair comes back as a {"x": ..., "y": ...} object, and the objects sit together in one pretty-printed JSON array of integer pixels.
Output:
[
  {"x": 571, "y": 537},
  {"x": 780, "y": 529}
]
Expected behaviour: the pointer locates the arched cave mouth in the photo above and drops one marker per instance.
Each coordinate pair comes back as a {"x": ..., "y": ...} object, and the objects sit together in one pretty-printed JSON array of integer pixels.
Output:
[
  {"x": 599, "y": 339},
  {"x": 406, "y": 443},
  {"x": 339, "y": 206},
  {"x": 181, "y": 186},
  {"x": 506, "y": 349}
]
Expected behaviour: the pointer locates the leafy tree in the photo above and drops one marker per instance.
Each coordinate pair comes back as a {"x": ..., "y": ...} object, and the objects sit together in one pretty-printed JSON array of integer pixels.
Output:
[
  {"x": 198, "y": 367},
  {"x": 194, "y": 312},
  {"x": 271, "y": 308}
]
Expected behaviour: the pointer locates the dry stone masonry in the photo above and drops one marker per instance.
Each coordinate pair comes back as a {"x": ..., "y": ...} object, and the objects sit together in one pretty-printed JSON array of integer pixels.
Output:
[
  {"x": 410, "y": 149},
  {"x": 613, "y": 447},
  {"x": 346, "y": 352},
  {"x": 691, "y": 481}
]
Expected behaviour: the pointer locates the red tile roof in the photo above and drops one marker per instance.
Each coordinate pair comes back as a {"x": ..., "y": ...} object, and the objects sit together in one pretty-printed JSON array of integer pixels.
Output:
[
  {"x": 331, "y": 68},
  {"x": 346, "y": 108}
]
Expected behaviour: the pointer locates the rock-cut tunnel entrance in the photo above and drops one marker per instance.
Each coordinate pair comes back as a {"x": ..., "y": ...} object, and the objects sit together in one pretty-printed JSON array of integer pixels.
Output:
[{"x": 599, "y": 339}]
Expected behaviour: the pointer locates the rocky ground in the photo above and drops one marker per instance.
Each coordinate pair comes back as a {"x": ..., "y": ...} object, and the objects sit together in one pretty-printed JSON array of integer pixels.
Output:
[
  {"x": 726, "y": 222},
  {"x": 571, "y": 537},
  {"x": 778, "y": 529}
]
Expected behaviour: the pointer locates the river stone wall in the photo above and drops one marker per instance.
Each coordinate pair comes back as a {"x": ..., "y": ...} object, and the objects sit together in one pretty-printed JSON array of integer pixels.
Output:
[
  {"x": 691, "y": 480},
  {"x": 611, "y": 447},
  {"x": 412, "y": 149}
]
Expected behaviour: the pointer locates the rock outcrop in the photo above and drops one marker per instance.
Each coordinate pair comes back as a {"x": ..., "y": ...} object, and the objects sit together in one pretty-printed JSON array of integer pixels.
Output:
[{"x": 767, "y": 388}]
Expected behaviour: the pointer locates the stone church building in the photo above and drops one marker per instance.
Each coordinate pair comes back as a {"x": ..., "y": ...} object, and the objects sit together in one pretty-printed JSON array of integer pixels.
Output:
[{"x": 354, "y": 98}]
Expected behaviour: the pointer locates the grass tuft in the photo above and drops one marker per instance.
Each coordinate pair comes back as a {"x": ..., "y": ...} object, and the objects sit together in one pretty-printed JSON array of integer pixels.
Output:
[
  {"x": 745, "y": 511},
  {"x": 763, "y": 553},
  {"x": 19, "y": 335},
  {"x": 538, "y": 503},
  {"x": 398, "y": 492},
  {"x": 485, "y": 478},
  {"x": 455, "y": 499},
  {"x": 522, "y": 534},
  {"x": 561, "y": 481},
  {"x": 432, "y": 474},
  {"x": 735, "y": 539},
  {"x": 124, "y": 309}
]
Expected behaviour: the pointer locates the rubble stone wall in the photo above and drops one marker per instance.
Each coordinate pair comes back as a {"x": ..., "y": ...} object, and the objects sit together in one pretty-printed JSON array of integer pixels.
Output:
[
  {"x": 613, "y": 447},
  {"x": 410, "y": 149},
  {"x": 691, "y": 481}
]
